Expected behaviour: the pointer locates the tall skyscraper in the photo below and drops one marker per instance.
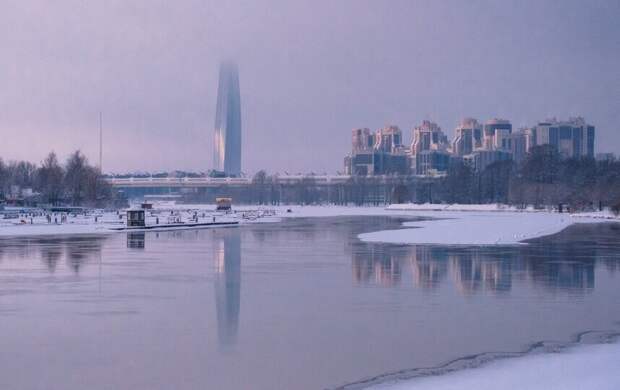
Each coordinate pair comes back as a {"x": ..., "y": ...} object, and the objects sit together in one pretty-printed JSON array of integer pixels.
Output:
[{"x": 227, "y": 140}]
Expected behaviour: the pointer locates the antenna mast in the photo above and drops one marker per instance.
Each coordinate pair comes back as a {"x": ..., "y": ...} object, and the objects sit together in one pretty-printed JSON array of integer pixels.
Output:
[{"x": 100, "y": 142}]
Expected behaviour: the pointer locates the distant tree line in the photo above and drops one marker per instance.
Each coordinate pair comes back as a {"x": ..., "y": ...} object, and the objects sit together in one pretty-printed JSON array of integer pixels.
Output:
[
  {"x": 75, "y": 182},
  {"x": 543, "y": 179}
]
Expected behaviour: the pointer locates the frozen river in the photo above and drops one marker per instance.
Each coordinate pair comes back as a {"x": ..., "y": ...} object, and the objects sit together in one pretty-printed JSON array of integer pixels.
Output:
[{"x": 302, "y": 304}]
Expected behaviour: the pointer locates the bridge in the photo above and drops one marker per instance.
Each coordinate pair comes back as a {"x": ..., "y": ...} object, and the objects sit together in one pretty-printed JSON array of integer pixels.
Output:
[
  {"x": 286, "y": 188},
  {"x": 213, "y": 182}
]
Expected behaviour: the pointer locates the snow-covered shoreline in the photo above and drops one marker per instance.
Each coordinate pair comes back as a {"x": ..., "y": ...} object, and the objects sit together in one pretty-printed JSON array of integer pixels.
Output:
[
  {"x": 580, "y": 367},
  {"x": 446, "y": 224},
  {"x": 476, "y": 228}
]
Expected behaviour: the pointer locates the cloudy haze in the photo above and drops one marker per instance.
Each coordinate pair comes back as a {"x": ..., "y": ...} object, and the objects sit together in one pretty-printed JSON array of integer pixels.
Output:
[{"x": 309, "y": 72}]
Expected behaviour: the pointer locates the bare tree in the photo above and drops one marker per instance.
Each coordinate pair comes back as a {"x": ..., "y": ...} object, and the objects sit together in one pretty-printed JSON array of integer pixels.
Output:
[
  {"x": 49, "y": 179},
  {"x": 76, "y": 177}
]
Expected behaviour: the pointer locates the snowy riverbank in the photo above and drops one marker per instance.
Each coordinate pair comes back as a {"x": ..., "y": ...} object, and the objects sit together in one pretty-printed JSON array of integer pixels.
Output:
[
  {"x": 582, "y": 367},
  {"x": 476, "y": 228},
  {"x": 447, "y": 224}
]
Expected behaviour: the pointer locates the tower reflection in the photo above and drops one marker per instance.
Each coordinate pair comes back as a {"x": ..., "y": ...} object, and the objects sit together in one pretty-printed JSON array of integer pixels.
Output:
[{"x": 227, "y": 256}]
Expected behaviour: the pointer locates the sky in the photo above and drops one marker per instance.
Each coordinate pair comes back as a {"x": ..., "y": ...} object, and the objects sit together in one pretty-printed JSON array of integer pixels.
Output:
[{"x": 310, "y": 72}]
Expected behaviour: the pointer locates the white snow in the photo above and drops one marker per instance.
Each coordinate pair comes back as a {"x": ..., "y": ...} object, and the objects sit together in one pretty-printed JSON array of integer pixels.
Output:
[
  {"x": 475, "y": 228},
  {"x": 583, "y": 367},
  {"x": 459, "y": 224},
  {"x": 606, "y": 214},
  {"x": 52, "y": 229},
  {"x": 454, "y": 207}
]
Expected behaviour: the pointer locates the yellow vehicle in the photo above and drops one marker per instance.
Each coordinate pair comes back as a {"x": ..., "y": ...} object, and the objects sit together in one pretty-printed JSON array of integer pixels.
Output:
[{"x": 223, "y": 204}]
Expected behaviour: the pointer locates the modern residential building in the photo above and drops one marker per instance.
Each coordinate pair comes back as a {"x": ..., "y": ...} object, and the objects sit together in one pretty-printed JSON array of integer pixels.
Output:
[
  {"x": 381, "y": 153},
  {"x": 480, "y": 159},
  {"x": 517, "y": 145},
  {"x": 389, "y": 140},
  {"x": 479, "y": 145},
  {"x": 362, "y": 140},
  {"x": 496, "y": 134},
  {"x": 430, "y": 162},
  {"x": 227, "y": 139},
  {"x": 429, "y": 150},
  {"x": 468, "y": 137},
  {"x": 572, "y": 139},
  {"x": 428, "y": 136}
]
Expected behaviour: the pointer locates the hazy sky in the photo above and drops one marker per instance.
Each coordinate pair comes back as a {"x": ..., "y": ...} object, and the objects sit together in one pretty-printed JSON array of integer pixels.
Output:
[{"x": 309, "y": 71}]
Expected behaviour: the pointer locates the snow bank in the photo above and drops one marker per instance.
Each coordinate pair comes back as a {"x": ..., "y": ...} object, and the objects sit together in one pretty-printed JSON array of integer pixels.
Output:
[
  {"x": 453, "y": 207},
  {"x": 583, "y": 367},
  {"x": 466, "y": 224},
  {"x": 52, "y": 229},
  {"x": 606, "y": 214},
  {"x": 475, "y": 228}
]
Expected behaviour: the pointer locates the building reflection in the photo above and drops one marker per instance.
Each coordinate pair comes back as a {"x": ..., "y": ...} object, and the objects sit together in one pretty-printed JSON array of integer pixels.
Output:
[
  {"x": 428, "y": 266},
  {"x": 555, "y": 265},
  {"x": 478, "y": 270},
  {"x": 377, "y": 265},
  {"x": 227, "y": 256},
  {"x": 136, "y": 240},
  {"x": 562, "y": 265}
]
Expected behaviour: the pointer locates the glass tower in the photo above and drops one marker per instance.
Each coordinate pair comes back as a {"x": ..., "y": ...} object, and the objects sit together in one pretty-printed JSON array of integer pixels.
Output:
[{"x": 227, "y": 140}]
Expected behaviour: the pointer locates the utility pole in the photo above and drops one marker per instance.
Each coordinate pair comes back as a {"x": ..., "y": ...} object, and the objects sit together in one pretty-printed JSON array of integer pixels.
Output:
[{"x": 100, "y": 142}]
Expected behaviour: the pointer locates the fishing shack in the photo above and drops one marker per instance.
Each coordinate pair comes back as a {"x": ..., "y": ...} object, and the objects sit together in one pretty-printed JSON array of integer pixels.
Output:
[{"x": 136, "y": 218}]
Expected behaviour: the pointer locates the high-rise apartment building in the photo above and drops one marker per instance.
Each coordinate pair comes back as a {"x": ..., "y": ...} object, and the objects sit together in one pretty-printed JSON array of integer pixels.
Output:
[
  {"x": 429, "y": 149},
  {"x": 496, "y": 134},
  {"x": 428, "y": 136},
  {"x": 572, "y": 139},
  {"x": 468, "y": 137},
  {"x": 389, "y": 139},
  {"x": 362, "y": 140},
  {"x": 377, "y": 154},
  {"x": 383, "y": 152}
]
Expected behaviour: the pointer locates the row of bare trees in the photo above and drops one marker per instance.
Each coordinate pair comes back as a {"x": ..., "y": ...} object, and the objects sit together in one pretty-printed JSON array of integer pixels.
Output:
[
  {"x": 75, "y": 182},
  {"x": 543, "y": 179}
]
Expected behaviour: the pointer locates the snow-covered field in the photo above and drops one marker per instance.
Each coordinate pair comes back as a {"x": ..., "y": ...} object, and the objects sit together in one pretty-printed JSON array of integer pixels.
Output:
[{"x": 580, "y": 368}]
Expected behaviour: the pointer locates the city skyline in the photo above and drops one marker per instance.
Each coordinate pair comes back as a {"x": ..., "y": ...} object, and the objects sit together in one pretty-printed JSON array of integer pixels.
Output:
[
  {"x": 477, "y": 144},
  {"x": 154, "y": 76}
]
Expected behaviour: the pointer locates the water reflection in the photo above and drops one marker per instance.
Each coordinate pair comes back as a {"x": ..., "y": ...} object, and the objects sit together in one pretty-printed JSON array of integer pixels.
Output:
[
  {"x": 429, "y": 267},
  {"x": 75, "y": 252},
  {"x": 565, "y": 262},
  {"x": 381, "y": 266},
  {"x": 297, "y": 296},
  {"x": 227, "y": 256},
  {"x": 474, "y": 271},
  {"x": 136, "y": 240}
]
